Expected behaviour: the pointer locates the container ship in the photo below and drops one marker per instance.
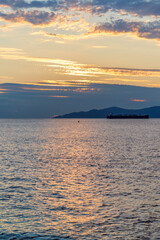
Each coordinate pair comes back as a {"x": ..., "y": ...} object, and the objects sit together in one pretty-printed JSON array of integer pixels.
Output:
[{"x": 125, "y": 116}]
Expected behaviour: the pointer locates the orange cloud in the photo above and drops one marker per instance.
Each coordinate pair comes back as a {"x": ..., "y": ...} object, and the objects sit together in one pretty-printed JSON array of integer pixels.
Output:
[
  {"x": 59, "y": 96},
  {"x": 64, "y": 36},
  {"x": 139, "y": 100}
]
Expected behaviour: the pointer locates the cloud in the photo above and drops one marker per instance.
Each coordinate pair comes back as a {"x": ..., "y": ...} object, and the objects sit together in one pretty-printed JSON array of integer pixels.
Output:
[
  {"x": 10, "y": 51},
  {"x": 141, "y": 29},
  {"x": 62, "y": 36},
  {"x": 34, "y": 17},
  {"x": 147, "y": 30},
  {"x": 138, "y": 7},
  {"x": 139, "y": 100},
  {"x": 19, "y": 4},
  {"x": 67, "y": 15},
  {"x": 85, "y": 73},
  {"x": 99, "y": 46},
  {"x": 45, "y": 89},
  {"x": 5, "y": 78},
  {"x": 59, "y": 96}
]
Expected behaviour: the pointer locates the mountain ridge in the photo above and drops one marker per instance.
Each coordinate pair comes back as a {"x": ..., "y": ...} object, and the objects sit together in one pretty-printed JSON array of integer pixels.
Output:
[{"x": 153, "y": 112}]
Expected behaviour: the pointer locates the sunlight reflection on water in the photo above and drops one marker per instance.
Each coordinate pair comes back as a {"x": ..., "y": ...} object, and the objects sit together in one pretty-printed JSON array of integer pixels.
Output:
[{"x": 97, "y": 179}]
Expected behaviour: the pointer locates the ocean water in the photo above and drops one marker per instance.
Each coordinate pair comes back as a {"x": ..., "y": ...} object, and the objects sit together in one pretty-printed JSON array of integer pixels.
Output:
[{"x": 93, "y": 179}]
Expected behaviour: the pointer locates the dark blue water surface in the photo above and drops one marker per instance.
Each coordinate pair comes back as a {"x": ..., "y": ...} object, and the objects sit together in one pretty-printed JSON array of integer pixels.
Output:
[{"x": 96, "y": 179}]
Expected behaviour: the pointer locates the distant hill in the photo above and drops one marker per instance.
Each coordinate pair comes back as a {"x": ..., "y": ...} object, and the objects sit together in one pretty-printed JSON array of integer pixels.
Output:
[{"x": 153, "y": 112}]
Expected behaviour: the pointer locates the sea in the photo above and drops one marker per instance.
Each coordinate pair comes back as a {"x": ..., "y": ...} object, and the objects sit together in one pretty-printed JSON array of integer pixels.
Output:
[{"x": 80, "y": 179}]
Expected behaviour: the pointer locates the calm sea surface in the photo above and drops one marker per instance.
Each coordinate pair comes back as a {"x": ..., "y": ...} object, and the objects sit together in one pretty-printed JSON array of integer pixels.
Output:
[{"x": 96, "y": 179}]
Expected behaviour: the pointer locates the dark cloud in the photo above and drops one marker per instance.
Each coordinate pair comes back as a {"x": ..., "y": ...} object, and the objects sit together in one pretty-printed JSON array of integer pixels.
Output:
[
  {"x": 28, "y": 101},
  {"x": 42, "y": 12},
  {"x": 148, "y": 30},
  {"x": 139, "y": 7},
  {"x": 18, "y": 4},
  {"x": 34, "y": 17}
]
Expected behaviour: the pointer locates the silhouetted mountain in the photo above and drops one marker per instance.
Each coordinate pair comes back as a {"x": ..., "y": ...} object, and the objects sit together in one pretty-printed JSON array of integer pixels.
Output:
[{"x": 153, "y": 112}]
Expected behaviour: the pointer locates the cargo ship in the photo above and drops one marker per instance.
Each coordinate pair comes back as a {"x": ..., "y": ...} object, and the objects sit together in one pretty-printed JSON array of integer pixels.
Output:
[{"x": 125, "y": 116}]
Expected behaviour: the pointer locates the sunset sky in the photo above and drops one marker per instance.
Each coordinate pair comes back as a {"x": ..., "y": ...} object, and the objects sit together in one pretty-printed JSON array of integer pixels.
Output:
[{"x": 59, "y": 56}]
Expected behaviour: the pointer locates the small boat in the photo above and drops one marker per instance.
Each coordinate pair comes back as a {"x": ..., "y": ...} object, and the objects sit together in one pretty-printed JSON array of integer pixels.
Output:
[{"x": 125, "y": 116}]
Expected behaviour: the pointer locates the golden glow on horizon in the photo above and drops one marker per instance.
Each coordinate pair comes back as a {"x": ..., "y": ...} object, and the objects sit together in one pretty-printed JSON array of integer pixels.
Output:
[
  {"x": 73, "y": 68},
  {"x": 95, "y": 74}
]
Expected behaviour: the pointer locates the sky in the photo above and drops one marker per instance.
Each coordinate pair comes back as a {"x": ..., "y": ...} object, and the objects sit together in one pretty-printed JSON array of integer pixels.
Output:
[{"x": 61, "y": 56}]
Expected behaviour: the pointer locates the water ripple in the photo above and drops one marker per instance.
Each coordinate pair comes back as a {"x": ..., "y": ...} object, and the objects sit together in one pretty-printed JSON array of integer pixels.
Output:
[{"x": 95, "y": 180}]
